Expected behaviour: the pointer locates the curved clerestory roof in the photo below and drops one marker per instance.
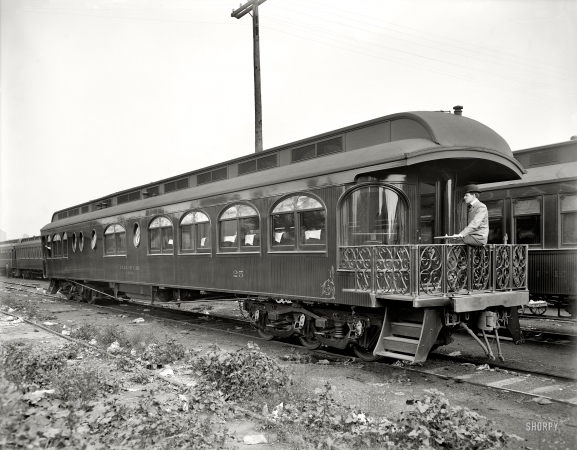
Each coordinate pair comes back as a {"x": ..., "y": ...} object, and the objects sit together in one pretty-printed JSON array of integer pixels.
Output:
[{"x": 450, "y": 137}]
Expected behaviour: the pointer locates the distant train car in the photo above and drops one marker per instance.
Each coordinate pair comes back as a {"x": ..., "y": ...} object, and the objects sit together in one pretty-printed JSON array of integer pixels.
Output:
[
  {"x": 330, "y": 238},
  {"x": 22, "y": 258},
  {"x": 540, "y": 210}
]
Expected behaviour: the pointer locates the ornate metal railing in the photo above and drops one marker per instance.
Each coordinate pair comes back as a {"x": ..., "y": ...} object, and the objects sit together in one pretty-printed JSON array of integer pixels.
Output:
[{"x": 435, "y": 270}]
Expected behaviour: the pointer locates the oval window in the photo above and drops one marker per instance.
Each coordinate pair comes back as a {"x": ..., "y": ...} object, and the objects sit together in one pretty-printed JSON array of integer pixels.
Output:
[
  {"x": 136, "y": 238},
  {"x": 81, "y": 241},
  {"x": 93, "y": 241},
  {"x": 73, "y": 242}
]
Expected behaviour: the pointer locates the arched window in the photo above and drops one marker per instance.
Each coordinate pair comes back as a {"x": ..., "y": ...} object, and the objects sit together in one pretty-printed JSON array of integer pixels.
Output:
[
  {"x": 161, "y": 235},
  {"x": 81, "y": 241},
  {"x": 136, "y": 235},
  {"x": 115, "y": 240},
  {"x": 298, "y": 224},
  {"x": 239, "y": 229},
  {"x": 56, "y": 246},
  {"x": 74, "y": 242},
  {"x": 374, "y": 215},
  {"x": 195, "y": 233},
  {"x": 65, "y": 245},
  {"x": 93, "y": 240}
]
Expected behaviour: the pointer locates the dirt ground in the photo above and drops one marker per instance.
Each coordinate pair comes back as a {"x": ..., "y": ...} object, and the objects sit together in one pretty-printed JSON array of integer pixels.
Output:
[{"x": 377, "y": 389}]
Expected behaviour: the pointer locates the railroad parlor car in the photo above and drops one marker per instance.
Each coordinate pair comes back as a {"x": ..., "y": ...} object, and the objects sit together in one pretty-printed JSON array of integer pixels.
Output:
[
  {"x": 22, "y": 257},
  {"x": 540, "y": 210},
  {"x": 329, "y": 238}
]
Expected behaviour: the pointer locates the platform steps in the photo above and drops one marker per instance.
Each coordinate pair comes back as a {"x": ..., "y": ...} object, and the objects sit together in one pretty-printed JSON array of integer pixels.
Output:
[{"x": 409, "y": 334}]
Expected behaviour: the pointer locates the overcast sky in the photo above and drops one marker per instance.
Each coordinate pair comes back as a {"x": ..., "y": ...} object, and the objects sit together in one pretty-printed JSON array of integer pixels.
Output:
[{"x": 99, "y": 96}]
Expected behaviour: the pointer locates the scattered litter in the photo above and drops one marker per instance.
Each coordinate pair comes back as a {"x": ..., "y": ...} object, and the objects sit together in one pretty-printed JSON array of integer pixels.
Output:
[
  {"x": 65, "y": 333},
  {"x": 457, "y": 353},
  {"x": 93, "y": 342},
  {"x": 146, "y": 309},
  {"x": 255, "y": 439},
  {"x": 265, "y": 410},
  {"x": 114, "y": 347},
  {"x": 38, "y": 395},
  {"x": 132, "y": 389},
  {"x": 542, "y": 401},
  {"x": 139, "y": 320},
  {"x": 123, "y": 316},
  {"x": 485, "y": 367},
  {"x": 399, "y": 393},
  {"x": 168, "y": 372},
  {"x": 277, "y": 411},
  {"x": 323, "y": 362},
  {"x": 468, "y": 364},
  {"x": 122, "y": 305},
  {"x": 17, "y": 320},
  {"x": 11, "y": 310},
  {"x": 238, "y": 328},
  {"x": 377, "y": 384}
]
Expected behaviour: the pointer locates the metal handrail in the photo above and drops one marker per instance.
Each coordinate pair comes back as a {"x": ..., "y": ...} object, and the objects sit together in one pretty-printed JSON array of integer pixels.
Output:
[{"x": 436, "y": 269}]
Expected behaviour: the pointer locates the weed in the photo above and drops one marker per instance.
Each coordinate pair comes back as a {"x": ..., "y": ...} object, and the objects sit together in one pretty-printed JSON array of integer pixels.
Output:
[
  {"x": 82, "y": 382},
  {"x": 243, "y": 374},
  {"x": 165, "y": 353},
  {"x": 27, "y": 366},
  {"x": 85, "y": 332},
  {"x": 113, "y": 333}
]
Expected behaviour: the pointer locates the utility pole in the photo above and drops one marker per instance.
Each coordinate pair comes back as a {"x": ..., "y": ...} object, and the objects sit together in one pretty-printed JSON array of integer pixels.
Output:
[{"x": 241, "y": 11}]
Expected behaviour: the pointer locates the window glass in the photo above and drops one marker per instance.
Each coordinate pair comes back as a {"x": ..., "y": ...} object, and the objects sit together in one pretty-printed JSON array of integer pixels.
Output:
[
  {"x": 527, "y": 206},
  {"x": 528, "y": 229},
  {"x": 283, "y": 226},
  {"x": 203, "y": 235},
  {"x": 65, "y": 245},
  {"x": 56, "y": 245},
  {"x": 239, "y": 229},
  {"x": 312, "y": 227},
  {"x": 298, "y": 223},
  {"x": 109, "y": 241},
  {"x": 120, "y": 241},
  {"x": 250, "y": 233},
  {"x": 81, "y": 241},
  {"x": 374, "y": 215},
  {"x": 136, "y": 235},
  {"x": 569, "y": 203},
  {"x": 186, "y": 239},
  {"x": 495, "y": 231},
  {"x": 154, "y": 240},
  {"x": 161, "y": 235},
  {"x": 93, "y": 240},
  {"x": 569, "y": 226},
  {"x": 74, "y": 242},
  {"x": 195, "y": 232},
  {"x": 228, "y": 234}
]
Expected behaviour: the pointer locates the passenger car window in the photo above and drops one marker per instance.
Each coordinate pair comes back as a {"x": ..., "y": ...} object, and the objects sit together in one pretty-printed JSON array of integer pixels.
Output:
[
  {"x": 161, "y": 238},
  {"x": 298, "y": 223},
  {"x": 195, "y": 232},
  {"x": 239, "y": 229},
  {"x": 115, "y": 240}
]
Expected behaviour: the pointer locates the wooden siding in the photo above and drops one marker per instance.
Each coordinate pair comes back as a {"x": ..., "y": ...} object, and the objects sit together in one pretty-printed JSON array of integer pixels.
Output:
[{"x": 552, "y": 272}]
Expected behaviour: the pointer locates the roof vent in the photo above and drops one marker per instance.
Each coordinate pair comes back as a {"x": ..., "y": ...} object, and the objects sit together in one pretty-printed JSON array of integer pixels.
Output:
[
  {"x": 458, "y": 110},
  {"x": 573, "y": 138}
]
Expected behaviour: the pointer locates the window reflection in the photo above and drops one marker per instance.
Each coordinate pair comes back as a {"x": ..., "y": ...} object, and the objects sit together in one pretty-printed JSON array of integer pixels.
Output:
[{"x": 374, "y": 215}]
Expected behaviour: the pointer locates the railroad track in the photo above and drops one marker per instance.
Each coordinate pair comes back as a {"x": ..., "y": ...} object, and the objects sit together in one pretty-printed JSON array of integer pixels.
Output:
[{"x": 538, "y": 385}]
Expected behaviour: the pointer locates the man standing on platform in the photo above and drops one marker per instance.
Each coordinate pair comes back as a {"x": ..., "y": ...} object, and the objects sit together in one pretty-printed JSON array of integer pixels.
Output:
[{"x": 477, "y": 231}]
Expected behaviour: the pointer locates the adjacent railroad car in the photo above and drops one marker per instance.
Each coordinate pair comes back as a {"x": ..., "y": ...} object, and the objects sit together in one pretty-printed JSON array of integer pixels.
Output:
[
  {"x": 540, "y": 210},
  {"x": 330, "y": 238},
  {"x": 22, "y": 257}
]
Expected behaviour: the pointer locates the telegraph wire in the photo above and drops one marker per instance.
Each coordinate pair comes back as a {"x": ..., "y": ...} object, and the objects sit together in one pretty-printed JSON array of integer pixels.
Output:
[
  {"x": 421, "y": 68},
  {"x": 410, "y": 42},
  {"x": 436, "y": 35},
  {"x": 420, "y": 56}
]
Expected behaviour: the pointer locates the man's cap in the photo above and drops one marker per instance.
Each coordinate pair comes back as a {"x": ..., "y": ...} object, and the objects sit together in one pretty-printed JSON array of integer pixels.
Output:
[{"x": 472, "y": 188}]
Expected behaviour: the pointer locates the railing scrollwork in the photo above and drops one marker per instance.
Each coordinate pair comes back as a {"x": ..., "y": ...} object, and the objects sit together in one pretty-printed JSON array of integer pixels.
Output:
[{"x": 435, "y": 270}]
